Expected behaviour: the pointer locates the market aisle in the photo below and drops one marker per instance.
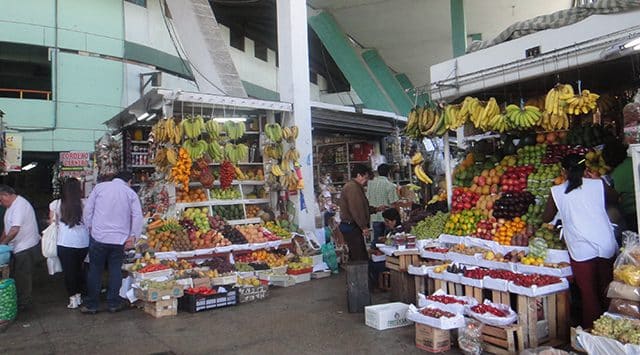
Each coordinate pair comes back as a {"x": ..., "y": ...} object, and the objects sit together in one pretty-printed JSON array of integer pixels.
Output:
[{"x": 310, "y": 318}]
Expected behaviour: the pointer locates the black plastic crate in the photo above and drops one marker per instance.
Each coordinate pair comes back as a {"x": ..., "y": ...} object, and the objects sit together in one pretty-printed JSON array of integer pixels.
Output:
[{"x": 198, "y": 303}]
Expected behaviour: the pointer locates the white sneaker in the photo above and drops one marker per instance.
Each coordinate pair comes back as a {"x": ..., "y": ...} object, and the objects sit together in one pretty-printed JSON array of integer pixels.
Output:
[
  {"x": 73, "y": 302},
  {"x": 78, "y": 298}
]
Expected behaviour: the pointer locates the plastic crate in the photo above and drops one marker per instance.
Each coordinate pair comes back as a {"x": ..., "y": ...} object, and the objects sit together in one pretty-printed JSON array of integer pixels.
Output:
[
  {"x": 300, "y": 271},
  {"x": 300, "y": 278},
  {"x": 198, "y": 303}
]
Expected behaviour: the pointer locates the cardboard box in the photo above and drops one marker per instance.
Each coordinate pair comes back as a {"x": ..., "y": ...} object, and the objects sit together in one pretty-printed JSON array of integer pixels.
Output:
[
  {"x": 432, "y": 339},
  {"x": 386, "y": 316},
  {"x": 201, "y": 281},
  {"x": 162, "y": 308},
  {"x": 153, "y": 294}
]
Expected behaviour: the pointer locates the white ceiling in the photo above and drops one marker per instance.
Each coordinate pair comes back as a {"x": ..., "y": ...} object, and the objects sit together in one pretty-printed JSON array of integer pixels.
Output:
[{"x": 412, "y": 35}]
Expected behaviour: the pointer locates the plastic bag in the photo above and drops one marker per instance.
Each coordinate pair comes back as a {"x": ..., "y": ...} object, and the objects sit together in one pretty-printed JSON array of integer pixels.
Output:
[
  {"x": 621, "y": 290},
  {"x": 50, "y": 241},
  {"x": 329, "y": 256},
  {"x": 470, "y": 337},
  {"x": 8, "y": 300},
  {"x": 54, "y": 265},
  {"x": 625, "y": 307},
  {"x": 627, "y": 265},
  {"x": 490, "y": 319},
  {"x": 544, "y": 350}
]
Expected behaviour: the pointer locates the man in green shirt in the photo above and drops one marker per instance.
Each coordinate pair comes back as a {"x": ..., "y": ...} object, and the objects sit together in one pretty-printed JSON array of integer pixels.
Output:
[
  {"x": 615, "y": 156},
  {"x": 381, "y": 192}
]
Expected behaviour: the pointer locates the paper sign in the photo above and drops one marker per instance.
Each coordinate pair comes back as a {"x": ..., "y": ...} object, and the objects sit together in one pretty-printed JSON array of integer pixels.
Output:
[{"x": 13, "y": 152}]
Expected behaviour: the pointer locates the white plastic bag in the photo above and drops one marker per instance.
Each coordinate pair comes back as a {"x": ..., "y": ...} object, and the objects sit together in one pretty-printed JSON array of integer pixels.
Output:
[
  {"x": 54, "y": 265},
  {"x": 490, "y": 319},
  {"x": 50, "y": 241}
]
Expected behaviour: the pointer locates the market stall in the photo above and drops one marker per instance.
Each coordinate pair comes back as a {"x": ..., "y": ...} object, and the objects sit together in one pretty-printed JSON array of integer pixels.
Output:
[
  {"x": 490, "y": 257},
  {"x": 215, "y": 175}
]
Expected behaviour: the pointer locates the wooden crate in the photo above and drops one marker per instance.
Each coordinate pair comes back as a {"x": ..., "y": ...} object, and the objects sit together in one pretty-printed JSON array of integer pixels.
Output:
[
  {"x": 162, "y": 308},
  {"x": 402, "y": 261},
  {"x": 503, "y": 340},
  {"x": 451, "y": 288},
  {"x": 402, "y": 287},
  {"x": 384, "y": 281},
  {"x": 556, "y": 313}
]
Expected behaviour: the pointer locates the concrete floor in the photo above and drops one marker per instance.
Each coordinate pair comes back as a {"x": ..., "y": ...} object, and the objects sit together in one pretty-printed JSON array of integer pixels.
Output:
[{"x": 309, "y": 318}]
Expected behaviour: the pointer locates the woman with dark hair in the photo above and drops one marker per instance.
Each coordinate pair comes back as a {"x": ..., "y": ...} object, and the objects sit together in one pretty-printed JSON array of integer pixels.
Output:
[
  {"x": 621, "y": 179},
  {"x": 581, "y": 205},
  {"x": 73, "y": 238}
]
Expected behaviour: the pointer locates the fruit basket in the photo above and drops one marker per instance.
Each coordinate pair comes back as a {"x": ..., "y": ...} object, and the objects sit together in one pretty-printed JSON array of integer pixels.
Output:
[
  {"x": 445, "y": 323},
  {"x": 450, "y": 303},
  {"x": 224, "y": 280},
  {"x": 535, "y": 291},
  {"x": 495, "y": 314},
  {"x": 300, "y": 271},
  {"x": 495, "y": 284},
  {"x": 530, "y": 269},
  {"x": 194, "y": 303}
]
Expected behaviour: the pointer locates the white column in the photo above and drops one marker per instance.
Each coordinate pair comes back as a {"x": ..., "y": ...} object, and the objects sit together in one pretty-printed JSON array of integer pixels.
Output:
[{"x": 293, "y": 86}]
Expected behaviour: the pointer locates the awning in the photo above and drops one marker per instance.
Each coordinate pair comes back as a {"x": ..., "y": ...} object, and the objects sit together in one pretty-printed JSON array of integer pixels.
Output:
[{"x": 347, "y": 119}]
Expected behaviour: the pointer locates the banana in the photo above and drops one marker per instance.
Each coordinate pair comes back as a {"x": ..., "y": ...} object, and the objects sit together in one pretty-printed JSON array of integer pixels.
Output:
[
  {"x": 215, "y": 152},
  {"x": 171, "y": 155},
  {"x": 417, "y": 158},
  {"x": 421, "y": 175},
  {"x": 213, "y": 129},
  {"x": 276, "y": 171}
]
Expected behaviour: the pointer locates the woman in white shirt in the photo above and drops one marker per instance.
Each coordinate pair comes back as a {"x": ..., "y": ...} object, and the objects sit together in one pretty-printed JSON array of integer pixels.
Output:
[
  {"x": 73, "y": 238},
  {"x": 581, "y": 204}
]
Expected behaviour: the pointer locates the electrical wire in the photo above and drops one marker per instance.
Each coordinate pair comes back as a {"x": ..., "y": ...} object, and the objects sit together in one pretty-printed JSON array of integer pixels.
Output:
[{"x": 177, "y": 44}]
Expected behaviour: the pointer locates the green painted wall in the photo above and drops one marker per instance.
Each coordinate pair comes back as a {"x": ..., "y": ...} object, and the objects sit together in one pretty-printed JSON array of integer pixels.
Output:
[
  {"x": 162, "y": 60},
  {"x": 260, "y": 92},
  {"x": 389, "y": 83},
  {"x": 349, "y": 62}
]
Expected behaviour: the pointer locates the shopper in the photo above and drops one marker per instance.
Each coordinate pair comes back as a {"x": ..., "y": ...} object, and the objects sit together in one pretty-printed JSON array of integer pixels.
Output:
[
  {"x": 114, "y": 218},
  {"x": 581, "y": 204},
  {"x": 355, "y": 213},
  {"x": 392, "y": 224},
  {"x": 615, "y": 156},
  {"x": 73, "y": 238},
  {"x": 21, "y": 233},
  {"x": 382, "y": 194}
]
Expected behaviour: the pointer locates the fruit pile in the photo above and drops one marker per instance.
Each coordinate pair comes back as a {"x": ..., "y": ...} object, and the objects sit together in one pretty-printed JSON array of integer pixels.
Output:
[
  {"x": 521, "y": 238},
  {"x": 252, "y": 233},
  {"x": 227, "y": 174},
  {"x": 596, "y": 164},
  {"x": 248, "y": 282},
  {"x": 531, "y": 154},
  {"x": 216, "y": 222},
  {"x": 430, "y": 227},
  {"x": 463, "y": 223},
  {"x": 194, "y": 195},
  {"x": 225, "y": 194},
  {"x": 624, "y": 330},
  {"x": 231, "y": 212},
  {"x": 198, "y": 216},
  {"x": 535, "y": 279},
  {"x": 436, "y": 313},
  {"x": 556, "y": 152},
  {"x": 446, "y": 299},
  {"x": 515, "y": 178},
  {"x": 222, "y": 265},
  {"x": 486, "y": 229},
  {"x": 250, "y": 174},
  {"x": 209, "y": 239},
  {"x": 489, "y": 309},
  {"x": 487, "y": 182},
  {"x": 512, "y": 204},
  {"x": 463, "y": 199},
  {"x": 506, "y": 232},
  {"x": 243, "y": 266},
  {"x": 253, "y": 211},
  {"x": 234, "y": 235},
  {"x": 534, "y": 212},
  {"x": 502, "y": 275},
  {"x": 271, "y": 259},
  {"x": 278, "y": 230},
  {"x": 477, "y": 274},
  {"x": 551, "y": 235}
]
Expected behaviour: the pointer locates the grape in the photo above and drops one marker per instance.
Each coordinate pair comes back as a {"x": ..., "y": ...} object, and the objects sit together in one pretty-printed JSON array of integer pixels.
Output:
[{"x": 430, "y": 227}]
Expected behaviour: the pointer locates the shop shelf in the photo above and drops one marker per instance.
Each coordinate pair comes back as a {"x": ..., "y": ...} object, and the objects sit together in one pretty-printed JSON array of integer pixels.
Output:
[
  {"x": 245, "y": 221},
  {"x": 146, "y": 166}
]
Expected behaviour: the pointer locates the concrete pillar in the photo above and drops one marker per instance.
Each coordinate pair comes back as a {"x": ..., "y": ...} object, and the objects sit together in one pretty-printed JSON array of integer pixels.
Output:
[
  {"x": 406, "y": 84},
  {"x": 458, "y": 28},
  {"x": 293, "y": 85}
]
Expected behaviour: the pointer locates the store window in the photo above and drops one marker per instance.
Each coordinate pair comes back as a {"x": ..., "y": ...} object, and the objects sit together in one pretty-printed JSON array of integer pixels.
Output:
[
  {"x": 260, "y": 51},
  {"x": 25, "y": 71},
  {"x": 236, "y": 39},
  {"x": 142, "y": 3}
]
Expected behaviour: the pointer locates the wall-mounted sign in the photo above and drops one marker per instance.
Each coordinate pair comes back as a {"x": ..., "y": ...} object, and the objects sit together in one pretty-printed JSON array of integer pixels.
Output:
[
  {"x": 76, "y": 164},
  {"x": 13, "y": 152}
]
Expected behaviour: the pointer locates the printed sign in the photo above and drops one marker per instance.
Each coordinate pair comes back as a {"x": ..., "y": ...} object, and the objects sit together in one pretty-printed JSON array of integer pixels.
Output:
[
  {"x": 13, "y": 152},
  {"x": 76, "y": 164}
]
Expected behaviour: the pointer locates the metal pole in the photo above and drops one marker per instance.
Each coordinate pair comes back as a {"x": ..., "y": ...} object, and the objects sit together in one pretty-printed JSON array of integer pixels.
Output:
[{"x": 447, "y": 169}]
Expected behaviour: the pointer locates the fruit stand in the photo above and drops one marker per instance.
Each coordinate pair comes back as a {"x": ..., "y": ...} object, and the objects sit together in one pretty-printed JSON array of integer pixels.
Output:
[
  {"x": 214, "y": 175},
  {"x": 492, "y": 245}
]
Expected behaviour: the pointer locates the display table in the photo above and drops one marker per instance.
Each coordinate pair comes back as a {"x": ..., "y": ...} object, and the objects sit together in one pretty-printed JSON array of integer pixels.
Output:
[{"x": 544, "y": 319}]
